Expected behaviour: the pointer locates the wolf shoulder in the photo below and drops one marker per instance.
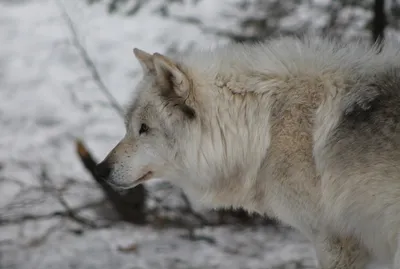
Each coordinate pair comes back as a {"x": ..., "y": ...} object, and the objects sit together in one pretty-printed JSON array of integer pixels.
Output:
[{"x": 366, "y": 117}]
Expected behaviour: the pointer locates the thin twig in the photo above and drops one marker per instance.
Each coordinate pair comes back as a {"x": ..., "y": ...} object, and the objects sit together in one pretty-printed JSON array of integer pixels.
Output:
[
  {"x": 68, "y": 211},
  {"x": 88, "y": 61},
  {"x": 189, "y": 209},
  {"x": 60, "y": 213}
]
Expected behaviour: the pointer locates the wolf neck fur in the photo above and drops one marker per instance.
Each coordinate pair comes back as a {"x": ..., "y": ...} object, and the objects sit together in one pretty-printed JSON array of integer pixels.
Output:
[
  {"x": 283, "y": 146},
  {"x": 285, "y": 136}
]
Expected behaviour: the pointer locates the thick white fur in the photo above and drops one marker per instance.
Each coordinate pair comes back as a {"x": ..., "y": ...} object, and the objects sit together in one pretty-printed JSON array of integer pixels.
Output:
[{"x": 264, "y": 113}]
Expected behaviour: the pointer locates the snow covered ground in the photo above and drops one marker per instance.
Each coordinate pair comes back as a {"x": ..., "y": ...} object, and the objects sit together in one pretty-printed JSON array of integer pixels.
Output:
[{"x": 48, "y": 98}]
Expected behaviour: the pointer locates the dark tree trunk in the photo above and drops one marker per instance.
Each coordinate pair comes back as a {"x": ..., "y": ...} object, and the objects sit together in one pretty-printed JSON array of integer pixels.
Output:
[
  {"x": 379, "y": 22},
  {"x": 130, "y": 205}
]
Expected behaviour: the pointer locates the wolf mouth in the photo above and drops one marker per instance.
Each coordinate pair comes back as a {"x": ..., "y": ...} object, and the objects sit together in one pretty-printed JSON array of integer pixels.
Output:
[
  {"x": 144, "y": 177},
  {"x": 119, "y": 186}
]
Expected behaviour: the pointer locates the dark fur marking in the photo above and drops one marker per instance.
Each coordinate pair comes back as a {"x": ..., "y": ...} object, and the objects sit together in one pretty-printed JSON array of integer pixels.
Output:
[
  {"x": 368, "y": 131},
  {"x": 372, "y": 109},
  {"x": 363, "y": 112}
]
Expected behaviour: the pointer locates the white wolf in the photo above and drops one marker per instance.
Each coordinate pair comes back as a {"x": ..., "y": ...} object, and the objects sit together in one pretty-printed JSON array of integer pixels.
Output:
[{"x": 305, "y": 130}]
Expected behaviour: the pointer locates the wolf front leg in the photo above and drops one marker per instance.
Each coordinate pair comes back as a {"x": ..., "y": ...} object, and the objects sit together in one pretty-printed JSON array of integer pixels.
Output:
[{"x": 340, "y": 253}]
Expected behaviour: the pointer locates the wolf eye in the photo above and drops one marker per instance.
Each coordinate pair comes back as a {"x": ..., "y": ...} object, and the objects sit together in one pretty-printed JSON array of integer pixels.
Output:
[{"x": 143, "y": 128}]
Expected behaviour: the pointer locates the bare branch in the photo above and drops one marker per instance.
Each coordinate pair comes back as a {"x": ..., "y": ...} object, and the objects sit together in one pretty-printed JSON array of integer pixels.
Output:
[
  {"x": 189, "y": 209},
  {"x": 60, "y": 213},
  {"x": 69, "y": 212},
  {"x": 88, "y": 61},
  {"x": 41, "y": 239}
]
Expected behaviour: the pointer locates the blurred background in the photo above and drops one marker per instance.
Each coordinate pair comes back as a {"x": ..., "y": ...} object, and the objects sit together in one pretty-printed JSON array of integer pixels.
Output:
[{"x": 66, "y": 73}]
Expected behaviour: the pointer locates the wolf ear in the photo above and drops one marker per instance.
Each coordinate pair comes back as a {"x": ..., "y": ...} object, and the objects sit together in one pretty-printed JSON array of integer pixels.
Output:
[
  {"x": 170, "y": 77},
  {"x": 167, "y": 73},
  {"x": 145, "y": 59}
]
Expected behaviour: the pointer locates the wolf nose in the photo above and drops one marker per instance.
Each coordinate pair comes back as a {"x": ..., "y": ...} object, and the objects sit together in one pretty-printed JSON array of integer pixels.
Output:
[{"x": 103, "y": 170}]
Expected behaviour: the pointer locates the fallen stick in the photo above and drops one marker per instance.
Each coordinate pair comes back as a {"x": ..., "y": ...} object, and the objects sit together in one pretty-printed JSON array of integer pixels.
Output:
[{"x": 130, "y": 204}]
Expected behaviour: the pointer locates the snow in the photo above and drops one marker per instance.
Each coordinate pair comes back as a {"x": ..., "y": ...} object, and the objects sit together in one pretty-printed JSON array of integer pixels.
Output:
[
  {"x": 49, "y": 99},
  {"x": 253, "y": 248}
]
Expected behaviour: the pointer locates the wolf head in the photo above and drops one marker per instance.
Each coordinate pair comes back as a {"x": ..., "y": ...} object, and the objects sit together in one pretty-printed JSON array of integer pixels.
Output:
[
  {"x": 159, "y": 123},
  {"x": 184, "y": 127}
]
